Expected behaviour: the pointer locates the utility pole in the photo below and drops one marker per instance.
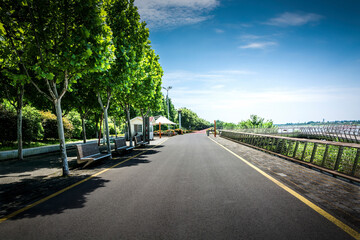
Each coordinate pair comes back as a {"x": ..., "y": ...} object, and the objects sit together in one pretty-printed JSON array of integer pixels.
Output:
[{"x": 167, "y": 101}]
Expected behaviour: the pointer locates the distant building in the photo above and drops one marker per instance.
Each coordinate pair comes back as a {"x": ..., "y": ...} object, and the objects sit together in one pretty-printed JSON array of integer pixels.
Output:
[{"x": 137, "y": 126}]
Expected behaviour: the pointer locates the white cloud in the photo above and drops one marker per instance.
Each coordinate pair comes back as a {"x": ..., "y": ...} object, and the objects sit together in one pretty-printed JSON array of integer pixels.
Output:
[
  {"x": 218, "y": 30},
  {"x": 173, "y": 13},
  {"x": 250, "y": 37},
  {"x": 258, "y": 45},
  {"x": 234, "y": 72},
  {"x": 294, "y": 19},
  {"x": 218, "y": 86},
  {"x": 211, "y": 77}
]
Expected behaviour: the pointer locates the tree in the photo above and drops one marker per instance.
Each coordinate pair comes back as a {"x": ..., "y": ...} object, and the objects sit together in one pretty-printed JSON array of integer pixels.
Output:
[
  {"x": 130, "y": 39},
  {"x": 255, "y": 122},
  {"x": 66, "y": 39},
  {"x": 190, "y": 120},
  {"x": 83, "y": 99},
  {"x": 149, "y": 88},
  {"x": 13, "y": 76},
  {"x": 107, "y": 92}
]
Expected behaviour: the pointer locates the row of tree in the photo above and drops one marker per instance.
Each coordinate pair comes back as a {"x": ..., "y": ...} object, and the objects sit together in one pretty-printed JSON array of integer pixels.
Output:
[
  {"x": 190, "y": 120},
  {"x": 253, "y": 122},
  {"x": 98, "y": 50}
]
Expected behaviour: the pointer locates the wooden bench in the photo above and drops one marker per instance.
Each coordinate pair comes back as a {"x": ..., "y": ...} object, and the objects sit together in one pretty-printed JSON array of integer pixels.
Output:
[
  {"x": 120, "y": 145},
  {"x": 138, "y": 141},
  {"x": 89, "y": 152}
]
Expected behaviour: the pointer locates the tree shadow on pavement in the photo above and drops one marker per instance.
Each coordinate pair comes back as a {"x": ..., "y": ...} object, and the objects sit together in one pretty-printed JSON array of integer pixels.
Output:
[
  {"x": 15, "y": 196},
  {"x": 37, "y": 162}
]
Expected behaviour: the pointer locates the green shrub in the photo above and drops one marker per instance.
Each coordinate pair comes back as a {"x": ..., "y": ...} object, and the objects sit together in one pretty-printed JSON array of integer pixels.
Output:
[
  {"x": 31, "y": 125},
  {"x": 8, "y": 125},
  {"x": 111, "y": 130},
  {"x": 75, "y": 120},
  {"x": 32, "y": 128},
  {"x": 49, "y": 123}
]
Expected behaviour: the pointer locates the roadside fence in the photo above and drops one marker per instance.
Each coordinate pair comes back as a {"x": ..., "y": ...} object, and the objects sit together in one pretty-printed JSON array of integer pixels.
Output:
[{"x": 337, "y": 158}]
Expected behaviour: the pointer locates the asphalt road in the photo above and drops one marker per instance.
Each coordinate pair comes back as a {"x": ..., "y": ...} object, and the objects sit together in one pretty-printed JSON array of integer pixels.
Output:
[{"x": 186, "y": 188}]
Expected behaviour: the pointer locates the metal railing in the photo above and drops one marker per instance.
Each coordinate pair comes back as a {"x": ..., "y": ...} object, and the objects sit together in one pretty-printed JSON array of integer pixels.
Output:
[
  {"x": 337, "y": 133},
  {"x": 340, "y": 159}
]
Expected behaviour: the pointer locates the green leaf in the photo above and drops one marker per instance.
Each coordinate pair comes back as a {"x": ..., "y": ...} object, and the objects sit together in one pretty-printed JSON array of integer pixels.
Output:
[
  {"x": 87, "y": 33},
  {"x": 88, "y": 52},
  {"x": 2, "y": 29},
  {"x": 50, "y": 76}
]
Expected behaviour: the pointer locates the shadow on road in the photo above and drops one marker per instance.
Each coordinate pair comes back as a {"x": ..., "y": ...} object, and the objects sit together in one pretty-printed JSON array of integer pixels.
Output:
[
  {"x": 33, "y": 163},
  {"x": 17, "y": 195}
]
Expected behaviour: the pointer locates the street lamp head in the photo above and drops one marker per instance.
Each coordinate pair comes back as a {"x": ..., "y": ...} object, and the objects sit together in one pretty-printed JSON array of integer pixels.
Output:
[{"x": 168, "y": 88}]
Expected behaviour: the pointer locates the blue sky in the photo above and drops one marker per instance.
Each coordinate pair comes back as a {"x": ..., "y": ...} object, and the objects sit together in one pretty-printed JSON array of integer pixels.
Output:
[{"x": 289, "y": 61}]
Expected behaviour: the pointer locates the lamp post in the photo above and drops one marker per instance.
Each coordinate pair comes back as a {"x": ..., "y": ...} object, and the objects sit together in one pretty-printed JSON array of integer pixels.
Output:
[
  {"x": 167, "y": 100},
  {"x": 179, "y": 111}
]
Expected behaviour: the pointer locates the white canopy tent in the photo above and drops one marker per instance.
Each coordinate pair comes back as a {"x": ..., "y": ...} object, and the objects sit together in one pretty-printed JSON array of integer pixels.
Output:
[{"x": 163, "y": 120}]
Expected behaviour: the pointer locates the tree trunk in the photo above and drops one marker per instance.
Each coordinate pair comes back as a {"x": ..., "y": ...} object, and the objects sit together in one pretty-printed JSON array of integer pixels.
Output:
[
  {"x": 96, "y": 126},
  {"x": 19, "y": 134},
  {"x": 115, "y": 128},
  {"x": 20, "y": 96},
  {"x": 106, "y": 122},
  {"x": 83, "y": 128},
  {"x": 103, "y": 131},
  {"x": 143, "y": 129},
  {"x": 129, "y": 125},
  {"x": 99, "y": 135},
  {"x": 65, "y": 168},
  {"x": 107, "y": 130}
]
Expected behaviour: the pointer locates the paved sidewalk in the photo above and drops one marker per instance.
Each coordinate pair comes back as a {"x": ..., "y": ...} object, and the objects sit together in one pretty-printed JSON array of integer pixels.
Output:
[
  {"x": 24, "y": 182},
  {"x": 338, "y": 197}
]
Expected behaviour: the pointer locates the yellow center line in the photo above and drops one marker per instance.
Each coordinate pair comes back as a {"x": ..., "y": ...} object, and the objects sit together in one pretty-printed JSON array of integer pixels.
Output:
[
  {"x": 319, "y": 210},
  {"x": 71, "y": 186}
]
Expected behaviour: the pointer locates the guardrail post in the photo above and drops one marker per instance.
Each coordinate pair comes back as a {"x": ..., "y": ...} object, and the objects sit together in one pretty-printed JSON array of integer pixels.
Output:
[
  {"x": 296, "y": 148},
  {"x": 303, "y": 153},
  {"x": 277, "y": 145},
  {"x": 252, "y": 140},
  {"x": 283, "y": 145},
  {"x": 325, "y": 155},
  {"x": 266, "y": 142},
  {"x": 356, "y": 160},
  {"x": 313, "y": 152},
  {"x": 263, "y": 142},
  {"x": 338, "y": 159},
  {"x": 290, "y": 147}
]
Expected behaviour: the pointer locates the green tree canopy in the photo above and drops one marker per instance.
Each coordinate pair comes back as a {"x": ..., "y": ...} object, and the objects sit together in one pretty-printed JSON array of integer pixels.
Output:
[{"x": 59, "y": 41}]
